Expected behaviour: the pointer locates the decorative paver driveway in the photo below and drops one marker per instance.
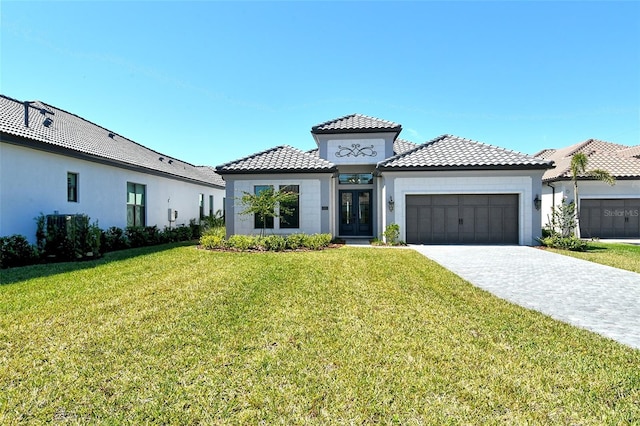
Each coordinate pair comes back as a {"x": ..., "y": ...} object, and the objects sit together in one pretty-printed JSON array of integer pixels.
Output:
[{"x": 599, "y": 298}]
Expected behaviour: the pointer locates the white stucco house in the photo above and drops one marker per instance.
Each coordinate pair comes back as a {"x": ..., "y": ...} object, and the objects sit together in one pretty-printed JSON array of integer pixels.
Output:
[
  {"x": 606, "y": 211},
  {"x": 55, "y": 162},
  {"x": 361, "y": 177}
]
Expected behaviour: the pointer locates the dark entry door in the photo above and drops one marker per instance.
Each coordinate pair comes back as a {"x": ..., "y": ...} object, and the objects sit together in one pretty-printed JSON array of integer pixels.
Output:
[{"x": 355, "y": 212}]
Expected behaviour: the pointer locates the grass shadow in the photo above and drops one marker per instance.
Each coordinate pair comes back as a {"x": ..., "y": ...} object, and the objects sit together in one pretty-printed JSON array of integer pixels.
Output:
[
  {"x": 24, "y": 273},
  {"x": 595, "y": 249}
]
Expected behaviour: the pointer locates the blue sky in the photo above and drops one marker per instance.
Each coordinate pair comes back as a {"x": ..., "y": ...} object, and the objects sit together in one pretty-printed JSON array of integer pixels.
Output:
[{"x": 209, "y": 82}]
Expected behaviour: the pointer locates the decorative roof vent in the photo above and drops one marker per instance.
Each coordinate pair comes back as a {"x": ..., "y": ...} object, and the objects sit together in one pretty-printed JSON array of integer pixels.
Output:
[
  {"x": 111, "y": 135},
  {"x": 170, "y": 161},
  {"x": 47, "y": 122},
  {"x": 161, "y": 158}
]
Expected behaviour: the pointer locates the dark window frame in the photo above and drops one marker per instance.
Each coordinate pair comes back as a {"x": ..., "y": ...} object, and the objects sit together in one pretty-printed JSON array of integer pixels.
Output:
[
  {"x": 257, "y": 223},
  {"x": 291, "y": 221},
  {"x": 72, "y": 187},
  {"x": 136, "y": 210},
  {"x": 201, "y": 205}
]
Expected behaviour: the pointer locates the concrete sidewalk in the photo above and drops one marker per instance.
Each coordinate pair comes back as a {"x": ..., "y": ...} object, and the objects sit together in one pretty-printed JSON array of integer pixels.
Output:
[{"x": 599, "y": 298}]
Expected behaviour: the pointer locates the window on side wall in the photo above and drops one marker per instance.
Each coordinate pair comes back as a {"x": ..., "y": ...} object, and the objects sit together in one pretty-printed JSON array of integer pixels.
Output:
[
  {"x": 292, "y": 218},
  {"x": 210, "y": 205},
  {"x": 257, "y": 220},
  {"x": 136, "y": 200},
  {"x": 72, "y": 187},
  {"x": 201, "y": 205}
]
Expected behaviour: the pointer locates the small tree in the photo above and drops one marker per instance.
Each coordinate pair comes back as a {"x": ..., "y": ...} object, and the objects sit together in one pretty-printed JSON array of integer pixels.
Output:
[
  {"x": 578, "y": 167},
  {"x": 267, "y": 203},
  {"x": 563, "y": 219}
]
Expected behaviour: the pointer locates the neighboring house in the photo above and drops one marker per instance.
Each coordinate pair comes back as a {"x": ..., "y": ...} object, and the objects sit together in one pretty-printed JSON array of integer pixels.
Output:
[
  {"x": 54, "y": 162},
  {"x": 605, "y": 211},
  {"x": 362, "y": 178}
]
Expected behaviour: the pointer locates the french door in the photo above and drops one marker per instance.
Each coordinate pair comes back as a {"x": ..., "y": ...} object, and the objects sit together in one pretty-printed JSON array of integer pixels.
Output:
[{"x": 355, "y": 213}]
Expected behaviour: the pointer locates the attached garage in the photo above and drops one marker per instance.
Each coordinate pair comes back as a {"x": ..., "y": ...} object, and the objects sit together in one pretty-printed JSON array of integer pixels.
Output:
[
  {"x": 462, "y": 219},
  {"x": 610, "y": 218}
]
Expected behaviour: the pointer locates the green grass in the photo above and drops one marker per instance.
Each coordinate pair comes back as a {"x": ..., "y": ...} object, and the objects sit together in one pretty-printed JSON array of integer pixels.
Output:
[
  {"x": 175, "y": 335},
  {"x": 618, "y": 255}
]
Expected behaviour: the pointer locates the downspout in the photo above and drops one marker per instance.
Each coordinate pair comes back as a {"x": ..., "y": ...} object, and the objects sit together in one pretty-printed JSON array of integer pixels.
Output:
[
  {"x": 553, "y": 203},
  {"x": 553, "y": 194}
]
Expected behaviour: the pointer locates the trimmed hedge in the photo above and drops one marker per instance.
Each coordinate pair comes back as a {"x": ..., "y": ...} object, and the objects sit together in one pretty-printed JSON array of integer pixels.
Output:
[
  {"x": 564, "y": 243},
  {"x": 216, "y": 241},
  {"x": 16, "y": 251},
  {"x": 73, "y": 237}
]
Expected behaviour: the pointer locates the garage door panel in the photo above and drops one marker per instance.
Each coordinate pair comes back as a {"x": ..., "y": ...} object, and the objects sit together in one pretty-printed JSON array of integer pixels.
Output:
[
  {"x": 424, "y": 222},
  {"x": 610, "y": 218},
  {"x": 463, "y": 218},
  {"x": 411, "y": 223},
  {"x": 474, "y": 199}
]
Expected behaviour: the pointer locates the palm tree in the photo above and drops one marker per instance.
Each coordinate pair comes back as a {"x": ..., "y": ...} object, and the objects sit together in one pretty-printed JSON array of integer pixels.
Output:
[{"x": 578, "y": 168}]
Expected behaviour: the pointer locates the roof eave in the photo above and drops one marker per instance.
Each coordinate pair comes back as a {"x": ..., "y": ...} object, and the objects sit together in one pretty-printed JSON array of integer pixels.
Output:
[
  {"x": 315, "y": 131},
  {"x": 568, "y": 178},
  {"x": 454, "y": 168},
  {"x": 272, "y": 171},
  {"x": 57, "y": 149}
]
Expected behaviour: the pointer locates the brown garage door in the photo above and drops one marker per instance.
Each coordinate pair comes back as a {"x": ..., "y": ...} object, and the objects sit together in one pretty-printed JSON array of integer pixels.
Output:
[
  {"x": 610, "y": 218},
  {"x": 462, "y": 219}
]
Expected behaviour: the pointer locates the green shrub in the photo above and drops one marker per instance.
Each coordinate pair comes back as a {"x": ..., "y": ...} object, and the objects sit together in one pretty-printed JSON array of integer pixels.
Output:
[
  {"x": 194, "y": 225},
  {"x": 392, "y": 233},
  {"x": 212, "y": 221},
  {"x": 243, "y": 242},
  {"x": 15, "y": 250},
  {"x": 114, "y": 239},
  {"x": 295, "y": 241},
  {"x": 184, "y": 233},
  {"x": 215, "y": 239},
  {"x": 564, "y": 243},
  {"x": 217, "y": 230},
  {"x": 212, "y": 241},
  {"x": 140, "y": 236},
  {"x": 68, "y": 237},
  {"x": 317, "y": 241},
  {"x": 274, "y": 242}
]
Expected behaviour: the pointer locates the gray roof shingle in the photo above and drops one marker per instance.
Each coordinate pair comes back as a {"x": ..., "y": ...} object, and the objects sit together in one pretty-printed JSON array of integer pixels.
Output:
[
  {"x": 281, "y": 159},
  {"x": 621, "y": 161},
  {"x": 453, "y": 152},
  {"x": 356, "y": 123},
  {"x": 401, "y": 145},
  {"x": 52, "y": 127}
]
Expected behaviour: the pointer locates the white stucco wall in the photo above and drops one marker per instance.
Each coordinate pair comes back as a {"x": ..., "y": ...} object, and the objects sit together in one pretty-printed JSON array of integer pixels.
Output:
[
  {"x": 355, "y": 148},
  {"x": 586, "y": 190},
  {"x": 34, "y": 182},
  {"x": 356, "y": 151},
  {"x": 469, "y": 182},
  {"x": 310, "y": 206}
]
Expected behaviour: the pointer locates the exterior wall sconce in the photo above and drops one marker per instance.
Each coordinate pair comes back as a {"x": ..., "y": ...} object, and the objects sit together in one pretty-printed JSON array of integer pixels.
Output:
[
  {"x": 391, "y": 203},
  {"x": 537, "y": 202}
]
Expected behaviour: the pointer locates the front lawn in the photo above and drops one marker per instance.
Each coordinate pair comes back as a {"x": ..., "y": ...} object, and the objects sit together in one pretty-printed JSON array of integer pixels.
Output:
[
  {"x": 341, "y": 336},
  {"x": 618, "y": 255}
]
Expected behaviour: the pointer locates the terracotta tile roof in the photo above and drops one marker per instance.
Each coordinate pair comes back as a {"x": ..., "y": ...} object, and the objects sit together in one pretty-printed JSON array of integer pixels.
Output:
[
  {"x": 356, "y": 123},
  {"x": 56, "y": 128},
  {"x": 449, "y": 152},
  {"x": 621, "y": 161},
  {"x": 634, "y": 151},
  {"x": 545, "y": 153},
  {"x": 282, "y": 159}
]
